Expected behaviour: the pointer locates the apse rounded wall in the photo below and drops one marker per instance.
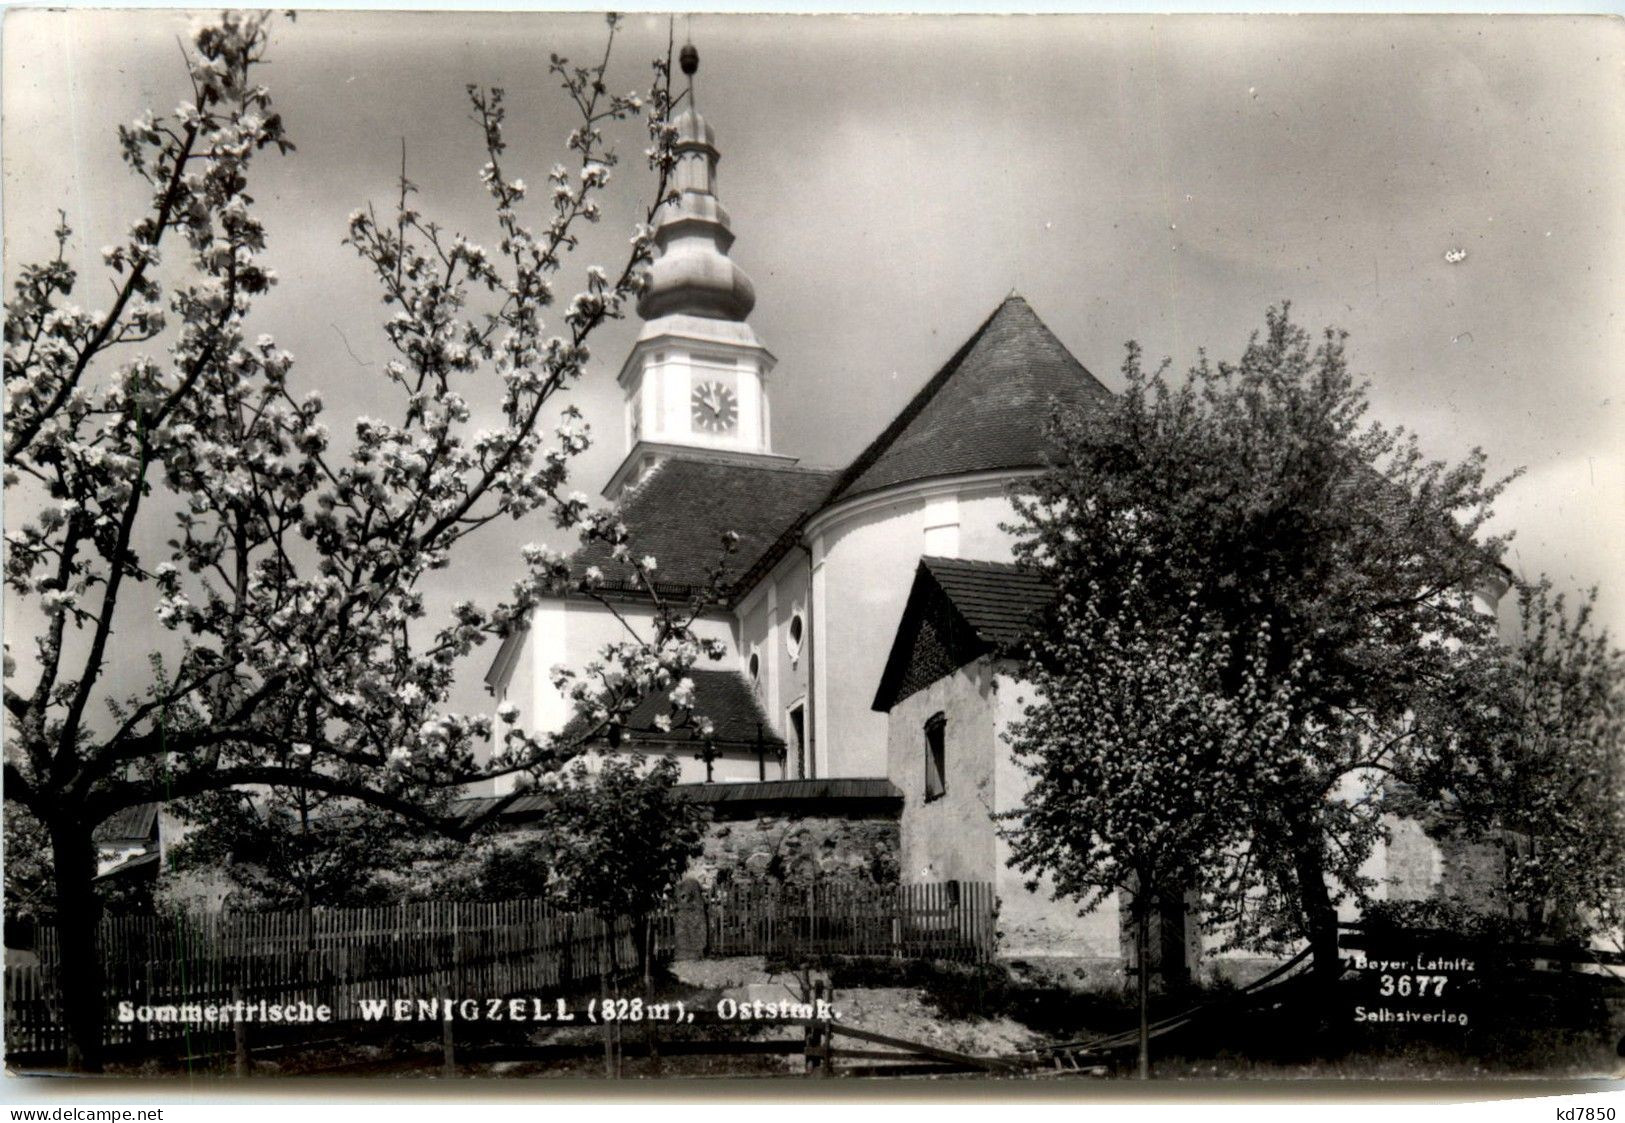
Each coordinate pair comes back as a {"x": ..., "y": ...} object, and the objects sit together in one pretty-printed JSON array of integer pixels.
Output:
[{"x": 864, "y": 555}]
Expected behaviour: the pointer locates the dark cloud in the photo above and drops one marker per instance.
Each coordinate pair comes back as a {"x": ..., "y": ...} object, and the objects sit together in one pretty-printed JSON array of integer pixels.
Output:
[{"x": 1162, "y": 179}]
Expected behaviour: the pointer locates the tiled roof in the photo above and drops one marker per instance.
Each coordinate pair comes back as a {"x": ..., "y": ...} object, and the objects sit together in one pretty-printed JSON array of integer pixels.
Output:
[
  {"x": 136, "y": 822},
  {"x": 998, "y": 600},
  {"x": 725, "y": 800},
  {"x": 983, "y": 411},
  {"x": 526, "y": 806},
  {"x": 958, "y": 611},
  {"x": 744, "y": 800},
  {"x": 725, "y": 697},
  {"x": 680, "y": 512},
  {"x": 833, "y": 788}
]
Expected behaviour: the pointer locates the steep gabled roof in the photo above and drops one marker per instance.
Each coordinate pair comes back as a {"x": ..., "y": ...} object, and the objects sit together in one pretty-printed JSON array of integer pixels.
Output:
[
  {"x": 138, "y": 823},
  {"x": 1001, "y": 602},
  {"x": 958, "y": 611},
  {"x": 983, "y": 411},
  {"x": 680, "y": 512}
]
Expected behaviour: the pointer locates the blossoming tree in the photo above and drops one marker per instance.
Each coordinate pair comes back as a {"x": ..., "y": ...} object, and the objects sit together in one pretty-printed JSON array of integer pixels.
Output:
[
  {"x": 1532, "y": 757},
  {"x": 301, "y": 656},
  {"x": 1142, "y": 756},
  {"x": 1257, "y": 494}
]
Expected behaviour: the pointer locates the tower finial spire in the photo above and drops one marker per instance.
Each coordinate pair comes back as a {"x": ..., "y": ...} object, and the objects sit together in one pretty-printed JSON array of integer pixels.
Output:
[
  {"x": 697, "y": 376},
  {"x": 692, "y": 273},
  {"x": 689, "y": 59}
]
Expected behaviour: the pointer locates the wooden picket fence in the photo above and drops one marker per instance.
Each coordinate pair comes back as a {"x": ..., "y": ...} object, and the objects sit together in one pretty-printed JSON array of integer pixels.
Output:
[
  {"x": 342, "y": 957},
  {"x": 954, "y": 920},
  {"x": 333, "y": 957}
]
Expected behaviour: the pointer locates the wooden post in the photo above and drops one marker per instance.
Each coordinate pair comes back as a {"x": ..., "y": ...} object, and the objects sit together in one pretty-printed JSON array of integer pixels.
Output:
[
  {"x": 448, "y": 1036},
  {"x": 239, "y": 1031},
  {"x": 821, "y": 989},
  {"x": 603, "y": 997},
  {"x": 812, "y": 1036},
  {"x": 1142, "y": 944},
  {"x": 651, "y": 1034}
]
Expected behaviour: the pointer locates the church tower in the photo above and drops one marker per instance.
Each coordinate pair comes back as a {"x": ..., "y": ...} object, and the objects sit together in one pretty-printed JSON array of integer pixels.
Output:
[{"x": 695, "y": 382}]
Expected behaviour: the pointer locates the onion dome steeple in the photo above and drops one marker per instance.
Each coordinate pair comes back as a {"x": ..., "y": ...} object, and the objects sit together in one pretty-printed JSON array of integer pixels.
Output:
[
  {"x": 692, "y": 273},
  {"x": 696, "y": 379}
]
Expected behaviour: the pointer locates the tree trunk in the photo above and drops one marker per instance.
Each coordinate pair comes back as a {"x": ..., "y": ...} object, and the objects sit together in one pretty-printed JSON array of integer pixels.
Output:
[
  {"x": 79, "y": 968},
  {"x": 605, "y": 947},
  {"x": 1320, "y": 915},
  {"x": 1142, "y": 957},
  {"x": 644, "y": 927}
]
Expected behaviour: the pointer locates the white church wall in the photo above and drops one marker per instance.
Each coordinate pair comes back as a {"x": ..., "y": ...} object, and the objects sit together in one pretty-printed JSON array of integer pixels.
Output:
[
  {"x": 864, "y": 558},
  {"x": 571, "y": 633},
  {"x": 518, "y": 688},
  {"x": 862, "y": 568},
  {"x": 949, "y": 838},
  {"x": 764, "y": 624},
  {"x": 754, "y": 624},
  {"x": 983, "y": 513}
]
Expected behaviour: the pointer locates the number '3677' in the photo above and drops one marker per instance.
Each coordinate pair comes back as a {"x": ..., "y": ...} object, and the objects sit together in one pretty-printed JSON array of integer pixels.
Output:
[{"x": 1406, "y": 986}]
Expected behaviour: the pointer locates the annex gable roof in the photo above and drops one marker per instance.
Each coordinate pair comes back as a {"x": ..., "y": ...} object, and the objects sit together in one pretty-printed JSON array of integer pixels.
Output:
[
  {"x": 957, "y": 611},
  {"x": 983, "y": 411}
]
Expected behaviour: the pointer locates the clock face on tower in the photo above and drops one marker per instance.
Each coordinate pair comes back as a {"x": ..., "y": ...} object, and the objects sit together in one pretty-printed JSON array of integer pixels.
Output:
[{"x": 715, "y": 407}]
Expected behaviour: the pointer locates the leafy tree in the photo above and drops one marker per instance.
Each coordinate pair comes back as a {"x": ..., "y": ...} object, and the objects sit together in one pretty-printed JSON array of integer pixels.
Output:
[
  {"x": 619, "y": 843},
  {"x": 514, "y": 867},
  {"x": 1257, "y": 494},
  {"x": 30, "y": 878},
  {"x": 623, "y": 840},
  {"x": 1144, "y": 751},
  {"x": 292, "y": 847},
  {"x": 292, "y": 581},
  {"x": 1533, "y": 755}
]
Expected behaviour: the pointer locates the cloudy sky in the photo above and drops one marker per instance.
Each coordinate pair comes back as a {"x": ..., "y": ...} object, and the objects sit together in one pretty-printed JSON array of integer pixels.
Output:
[{"x": 891, "y": 179}]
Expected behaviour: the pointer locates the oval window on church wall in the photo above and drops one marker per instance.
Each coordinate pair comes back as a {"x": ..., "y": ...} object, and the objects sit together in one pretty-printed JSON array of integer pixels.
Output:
[
  {"x": 755, "y": 666},
  {"x": 792, "y": 635}
]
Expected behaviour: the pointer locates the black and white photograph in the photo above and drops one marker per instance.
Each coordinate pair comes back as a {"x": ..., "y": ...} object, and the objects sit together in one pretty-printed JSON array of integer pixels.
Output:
[{"x": 983, "y": 554}]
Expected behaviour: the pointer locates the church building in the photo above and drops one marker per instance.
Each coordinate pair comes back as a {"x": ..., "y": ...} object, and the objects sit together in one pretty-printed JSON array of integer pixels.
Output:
[
  {"x": 862, "y": 607},
  {"x": 826, "y": 556}
]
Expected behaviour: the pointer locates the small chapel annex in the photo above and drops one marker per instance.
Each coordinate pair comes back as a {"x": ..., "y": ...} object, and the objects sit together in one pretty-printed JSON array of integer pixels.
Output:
[{"x": 862, "y": 604}]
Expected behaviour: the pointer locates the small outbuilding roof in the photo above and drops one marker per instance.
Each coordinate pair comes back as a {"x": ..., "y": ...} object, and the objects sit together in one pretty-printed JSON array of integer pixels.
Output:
[
  {"x": 138, "y": 823},
  {"x": 957, "y": 611},
  {"x": 998, "y": 600}
]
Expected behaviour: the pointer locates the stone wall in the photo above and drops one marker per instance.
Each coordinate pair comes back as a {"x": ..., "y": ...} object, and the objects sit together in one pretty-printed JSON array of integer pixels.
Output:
[{"x": 796, "y": 848}]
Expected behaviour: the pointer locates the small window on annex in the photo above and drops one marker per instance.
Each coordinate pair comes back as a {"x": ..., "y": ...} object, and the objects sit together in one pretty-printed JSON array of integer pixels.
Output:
[{"x": 936, "y": 774}]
